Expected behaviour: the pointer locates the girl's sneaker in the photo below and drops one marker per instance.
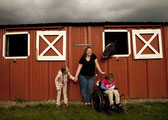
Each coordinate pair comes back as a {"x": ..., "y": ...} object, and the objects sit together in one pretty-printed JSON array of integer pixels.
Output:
[
  {"x": 66, "y": 105},
  {"x": 57, "y": 106},
  {"x": 119, "y": 105},
  {"x": 89, "y": 104},
  {"x": 85, "y": 104},
  {"x": 113, "y": 107}
]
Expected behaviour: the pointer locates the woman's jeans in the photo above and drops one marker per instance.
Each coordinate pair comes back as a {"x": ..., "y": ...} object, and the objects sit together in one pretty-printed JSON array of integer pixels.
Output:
[{"x": 86, "y": 86}]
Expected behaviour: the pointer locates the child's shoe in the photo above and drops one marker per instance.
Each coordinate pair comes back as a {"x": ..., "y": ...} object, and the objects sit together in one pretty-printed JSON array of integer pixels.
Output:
[
  {"x": 85, "y": 104},
  {"x": 66, "y": 105},
  {"x": 89, "y": 104},
  {"x": 57, "y": 106},
  {"x": 113, "y": 107},
  {"x": 119, "y": 105}
]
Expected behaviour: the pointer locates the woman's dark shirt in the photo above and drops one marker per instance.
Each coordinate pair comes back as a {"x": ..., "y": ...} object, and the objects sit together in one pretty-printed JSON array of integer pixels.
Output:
[{"x": 88, "y": 68}]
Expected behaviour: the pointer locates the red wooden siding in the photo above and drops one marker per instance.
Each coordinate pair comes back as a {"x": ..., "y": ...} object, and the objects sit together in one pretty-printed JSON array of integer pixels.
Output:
[{"x": 34, "y": 80}]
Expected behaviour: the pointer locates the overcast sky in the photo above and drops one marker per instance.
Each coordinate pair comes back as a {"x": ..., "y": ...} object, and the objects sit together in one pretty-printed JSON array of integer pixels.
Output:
[{"x": 52, "y": 11}]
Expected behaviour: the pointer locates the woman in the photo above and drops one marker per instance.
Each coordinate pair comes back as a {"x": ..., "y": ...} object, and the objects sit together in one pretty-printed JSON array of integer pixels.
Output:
[{"x": 86, "y": 72}]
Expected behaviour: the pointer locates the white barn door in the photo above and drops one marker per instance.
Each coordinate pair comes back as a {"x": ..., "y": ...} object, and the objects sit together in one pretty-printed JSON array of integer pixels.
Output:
[
  {"x": 147, "y": 44},
  {"x": 51, "y": 45}
]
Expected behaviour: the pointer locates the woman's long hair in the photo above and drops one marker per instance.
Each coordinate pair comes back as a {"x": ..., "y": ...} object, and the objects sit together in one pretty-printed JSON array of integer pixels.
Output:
[{"x": 84, "y": 53}]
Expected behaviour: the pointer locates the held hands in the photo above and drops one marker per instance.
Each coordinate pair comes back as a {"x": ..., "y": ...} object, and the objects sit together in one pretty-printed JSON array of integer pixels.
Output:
[{"x": 75, "y": 79}]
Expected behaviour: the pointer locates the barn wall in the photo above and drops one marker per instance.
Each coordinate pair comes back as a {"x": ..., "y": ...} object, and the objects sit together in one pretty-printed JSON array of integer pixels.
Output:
[
  {"x": 165, "y": 29},
  {"x": 34, "y": 80}
]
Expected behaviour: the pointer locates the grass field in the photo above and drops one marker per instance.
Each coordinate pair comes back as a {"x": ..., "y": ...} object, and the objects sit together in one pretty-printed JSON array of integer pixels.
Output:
[{"x": 135, "y": 111}]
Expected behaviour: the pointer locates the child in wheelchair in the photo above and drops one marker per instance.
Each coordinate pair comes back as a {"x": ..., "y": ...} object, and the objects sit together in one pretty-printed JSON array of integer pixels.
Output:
[{"x": 108, "y": 85}]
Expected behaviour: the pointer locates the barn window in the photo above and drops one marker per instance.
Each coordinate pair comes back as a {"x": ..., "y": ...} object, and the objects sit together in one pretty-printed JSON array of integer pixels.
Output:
[
  {"x": 16, "y": 45},
  {"x": 51, "y": 45},
  {"x": 121, "y": 38},
  {"x": 147, "y": 44}
]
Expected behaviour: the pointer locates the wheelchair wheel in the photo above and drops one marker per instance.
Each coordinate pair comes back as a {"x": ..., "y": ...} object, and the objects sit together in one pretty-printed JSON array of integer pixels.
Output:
[{"x": 97, "y": 100}]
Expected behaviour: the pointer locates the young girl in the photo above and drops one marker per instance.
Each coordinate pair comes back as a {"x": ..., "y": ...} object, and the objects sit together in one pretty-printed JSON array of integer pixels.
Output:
[
  {"x": 108, "y": 84},
  {"x": 61, "y": 82}
]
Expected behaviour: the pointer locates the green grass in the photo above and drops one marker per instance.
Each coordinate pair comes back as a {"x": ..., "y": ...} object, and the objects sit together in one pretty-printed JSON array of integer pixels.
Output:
[{"x": 136, "y": 111}]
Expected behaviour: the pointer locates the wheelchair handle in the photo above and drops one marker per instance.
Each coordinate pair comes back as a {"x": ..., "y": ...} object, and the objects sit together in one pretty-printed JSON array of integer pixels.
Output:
[
  {"x": 105, "y": 75},
  {"x": 122, "y": 95},
  {"x": 97, "y": 76}
]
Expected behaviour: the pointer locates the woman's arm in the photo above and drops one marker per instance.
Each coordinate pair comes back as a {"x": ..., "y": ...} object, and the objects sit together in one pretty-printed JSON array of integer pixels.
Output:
[
  {"x": 78, "y": 71},
  {"x": 98, "y": 67}
]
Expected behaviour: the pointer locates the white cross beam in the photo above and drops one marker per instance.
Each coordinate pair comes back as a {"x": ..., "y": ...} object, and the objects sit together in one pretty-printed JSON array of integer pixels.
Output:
[
  {"x": 51, "y": 45},
  {"x": 147, "y": 43}
]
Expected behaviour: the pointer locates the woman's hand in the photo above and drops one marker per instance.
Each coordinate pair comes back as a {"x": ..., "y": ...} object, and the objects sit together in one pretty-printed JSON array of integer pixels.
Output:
[
  {"x": 103, "y": 73},
  {"x": 76, "y": 79}
]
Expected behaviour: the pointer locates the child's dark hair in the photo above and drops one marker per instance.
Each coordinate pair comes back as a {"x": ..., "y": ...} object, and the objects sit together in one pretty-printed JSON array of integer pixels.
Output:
[
  {"x": 109, "y": 76},
  {"x": 63, "y": 69}
]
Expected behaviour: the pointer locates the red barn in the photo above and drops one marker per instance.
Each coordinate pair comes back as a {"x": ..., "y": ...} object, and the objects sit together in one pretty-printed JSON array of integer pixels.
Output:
[{"x": 32, "y": 54}]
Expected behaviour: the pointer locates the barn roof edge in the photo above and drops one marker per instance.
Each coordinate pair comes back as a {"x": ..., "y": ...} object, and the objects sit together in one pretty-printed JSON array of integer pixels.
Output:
[{"x": 81, "y": 24}]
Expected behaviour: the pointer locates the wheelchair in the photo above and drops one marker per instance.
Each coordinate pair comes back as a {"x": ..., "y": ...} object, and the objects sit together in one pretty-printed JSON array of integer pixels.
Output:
[{"x": 100, "y": 101}]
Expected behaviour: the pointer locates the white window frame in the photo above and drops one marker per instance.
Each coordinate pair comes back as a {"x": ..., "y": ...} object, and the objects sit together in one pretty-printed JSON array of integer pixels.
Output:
[
  {"x": 4, "y": 45},
  {"x": 155, "y": 32},
  {"x": 60, "y": 57},
  {"x": 129, "y": 46}
]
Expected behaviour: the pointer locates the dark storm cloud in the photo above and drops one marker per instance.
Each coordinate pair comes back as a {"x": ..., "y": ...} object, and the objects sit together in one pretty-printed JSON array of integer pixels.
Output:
[{"x": 43, "y": 11}]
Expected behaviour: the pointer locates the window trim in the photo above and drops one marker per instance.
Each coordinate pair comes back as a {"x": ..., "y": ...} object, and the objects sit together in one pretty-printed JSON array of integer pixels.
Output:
[
  {"x": 61, "y": 57},
  {"x": 4, "y": 45},
  {"x": 156, "y": 32},
  {"x": 129, "y": 44}
]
